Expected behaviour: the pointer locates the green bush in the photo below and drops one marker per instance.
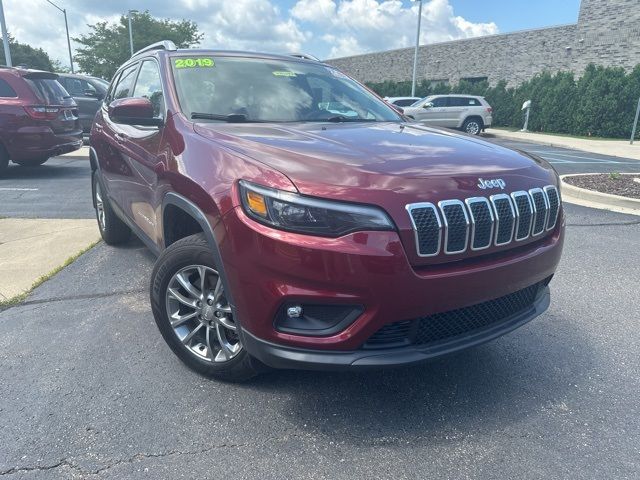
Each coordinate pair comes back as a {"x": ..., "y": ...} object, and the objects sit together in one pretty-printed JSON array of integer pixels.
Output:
[{"x": 601, "y": 103}]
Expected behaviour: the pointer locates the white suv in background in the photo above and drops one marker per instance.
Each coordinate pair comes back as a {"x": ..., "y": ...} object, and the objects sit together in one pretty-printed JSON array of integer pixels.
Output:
[{"x": 468, "y": 113}]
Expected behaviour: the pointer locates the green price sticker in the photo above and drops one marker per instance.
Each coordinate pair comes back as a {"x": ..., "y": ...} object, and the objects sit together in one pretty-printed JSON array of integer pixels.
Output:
[
  {"x": 284, "y": 74},
  {"x": 200, "y": 62}
]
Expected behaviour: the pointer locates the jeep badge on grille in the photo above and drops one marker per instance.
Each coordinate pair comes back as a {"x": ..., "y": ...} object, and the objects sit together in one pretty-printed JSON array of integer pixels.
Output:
[{"x": 494, "y": 183}]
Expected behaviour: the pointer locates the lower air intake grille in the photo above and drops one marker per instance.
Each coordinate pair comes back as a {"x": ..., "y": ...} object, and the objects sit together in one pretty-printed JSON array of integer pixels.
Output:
[{"x": 449, "y": 325}]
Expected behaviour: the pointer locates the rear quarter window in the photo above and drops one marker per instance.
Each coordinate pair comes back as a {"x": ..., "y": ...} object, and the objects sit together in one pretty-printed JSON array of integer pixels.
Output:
[
  {"x": 47, "y": 90},
  {"x": 6, "y": 90}
]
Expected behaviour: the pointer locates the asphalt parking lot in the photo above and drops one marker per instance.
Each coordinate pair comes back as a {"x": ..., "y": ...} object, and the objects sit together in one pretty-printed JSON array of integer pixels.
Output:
[{"x": 90, "y": 390}]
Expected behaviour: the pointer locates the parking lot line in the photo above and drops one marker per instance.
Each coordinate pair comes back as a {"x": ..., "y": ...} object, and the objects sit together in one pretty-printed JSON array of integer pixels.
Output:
[{"x": 15, "y": 189}]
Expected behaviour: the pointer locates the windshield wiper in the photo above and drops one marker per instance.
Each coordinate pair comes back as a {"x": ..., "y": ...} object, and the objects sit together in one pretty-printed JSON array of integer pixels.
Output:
[
  {"x": 342, "y": 118},
  {"x": 231, "y": 117}
]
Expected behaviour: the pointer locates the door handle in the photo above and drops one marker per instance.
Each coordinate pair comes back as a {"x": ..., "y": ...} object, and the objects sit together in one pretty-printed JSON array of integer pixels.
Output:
[
  {"x": 98, "y": 127},
  {"x": 120, "y": 138}
]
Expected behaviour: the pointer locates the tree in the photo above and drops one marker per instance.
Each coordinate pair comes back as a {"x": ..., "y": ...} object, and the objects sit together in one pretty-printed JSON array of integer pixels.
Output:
[
  {"x": 106, "y": 47},
  {"x": 23, "y": 54}
]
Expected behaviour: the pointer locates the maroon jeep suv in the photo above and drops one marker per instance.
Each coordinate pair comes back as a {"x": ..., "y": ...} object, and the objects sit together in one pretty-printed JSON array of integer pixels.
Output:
[
  {"x": 38, "y": 118},
  {"x": 301, "y": 222}
]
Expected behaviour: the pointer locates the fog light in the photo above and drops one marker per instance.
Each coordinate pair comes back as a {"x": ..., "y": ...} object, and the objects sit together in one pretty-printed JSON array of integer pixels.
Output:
[{"x": 294, "y": 312}]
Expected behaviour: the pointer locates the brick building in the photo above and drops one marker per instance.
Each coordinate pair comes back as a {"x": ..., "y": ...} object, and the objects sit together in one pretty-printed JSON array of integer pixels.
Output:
[{"x": 607, "y": 33}]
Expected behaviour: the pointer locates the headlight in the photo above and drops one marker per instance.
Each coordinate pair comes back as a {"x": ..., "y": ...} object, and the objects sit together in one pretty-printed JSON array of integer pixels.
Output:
[{"x": 313, "y": 216}]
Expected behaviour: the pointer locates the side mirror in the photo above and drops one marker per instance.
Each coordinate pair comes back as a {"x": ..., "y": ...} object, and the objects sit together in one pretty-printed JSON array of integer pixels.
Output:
[
  {"x": 133, "y": 111},
  {"x": 428, "y": 105}
]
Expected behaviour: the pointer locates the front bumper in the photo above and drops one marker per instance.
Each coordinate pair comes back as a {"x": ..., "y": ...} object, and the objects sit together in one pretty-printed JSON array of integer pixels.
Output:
[
  {"x": 279, "y": 356},
  {"x": 267, "y": 268}
]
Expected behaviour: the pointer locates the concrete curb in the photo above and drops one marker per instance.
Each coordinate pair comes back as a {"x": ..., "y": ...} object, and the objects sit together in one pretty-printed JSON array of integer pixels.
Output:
[
  {"x": 593, "y": 199},
  {"x": 612, "y": 148}
]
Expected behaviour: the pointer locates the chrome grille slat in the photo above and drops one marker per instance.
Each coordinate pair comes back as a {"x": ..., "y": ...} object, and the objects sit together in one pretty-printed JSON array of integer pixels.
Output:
[
  {"x": 482, "y": 222},
  {"x": 553, "y": 201},
  {"x": 505, "y": 216},
  {"x": 524, "y": 214},
  {"x": 427, "y": 228},
  {"x": 455, "y": 226},
  {"x": 540, "y": 211}
]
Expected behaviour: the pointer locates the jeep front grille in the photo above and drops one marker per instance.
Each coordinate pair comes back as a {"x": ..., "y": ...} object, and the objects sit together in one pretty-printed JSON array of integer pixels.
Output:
[{"x": 476, "y": 223}]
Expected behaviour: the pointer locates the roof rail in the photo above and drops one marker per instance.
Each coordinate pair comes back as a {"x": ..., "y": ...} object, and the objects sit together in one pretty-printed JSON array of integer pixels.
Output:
[
  {"x": 163, "y": 45},
  {"x": 304, "y": 56}
]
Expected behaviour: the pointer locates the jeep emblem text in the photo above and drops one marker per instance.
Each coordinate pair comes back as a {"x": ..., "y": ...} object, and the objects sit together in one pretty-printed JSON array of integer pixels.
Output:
[{"x": 495, "y": 183}]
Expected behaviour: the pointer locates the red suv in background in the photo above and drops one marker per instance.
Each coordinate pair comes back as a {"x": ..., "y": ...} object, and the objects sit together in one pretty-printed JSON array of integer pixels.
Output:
[
  {"x": 302, "y": 222},
  {"x": 38, "y": 118}
]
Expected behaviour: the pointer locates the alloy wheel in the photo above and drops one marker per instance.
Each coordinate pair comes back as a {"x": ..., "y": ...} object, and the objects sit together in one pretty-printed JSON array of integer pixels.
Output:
[
  {"x": 200, "y": 314},
  {"x": 100, "y": 207},
  {"x": 473, "y": 128}
]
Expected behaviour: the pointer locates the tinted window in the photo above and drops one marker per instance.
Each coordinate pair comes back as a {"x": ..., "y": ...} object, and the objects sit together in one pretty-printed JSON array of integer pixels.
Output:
[
  {"x": 273, "y": 90},
  {"x": 125, "y": 84},
  {"x": 6, "y": 90},
  {"x": 47, "y": 90},
  {"x": 463, "y": 102},
  {"x": 78, "y": 87},
  {"x": 439, "y": 102},
  {"x": 149, "y": 86},
  {"x": 404, "y": 103}
]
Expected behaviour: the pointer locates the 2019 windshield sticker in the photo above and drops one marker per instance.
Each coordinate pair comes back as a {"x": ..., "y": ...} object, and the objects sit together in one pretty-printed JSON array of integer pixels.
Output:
[
  {"x": 284, "y": 74},
  {"x": 199, "y": 62}
]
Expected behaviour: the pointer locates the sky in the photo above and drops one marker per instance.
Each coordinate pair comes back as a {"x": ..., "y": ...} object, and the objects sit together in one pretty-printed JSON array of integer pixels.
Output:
[{"x": 324, "y": 28}]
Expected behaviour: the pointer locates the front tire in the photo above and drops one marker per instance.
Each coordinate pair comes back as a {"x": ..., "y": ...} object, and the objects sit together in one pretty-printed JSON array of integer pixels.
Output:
[
  {"x": 193, "y": 315},
  {"x": 32, "y": 162},
  {"x": 112, "y": 230}
]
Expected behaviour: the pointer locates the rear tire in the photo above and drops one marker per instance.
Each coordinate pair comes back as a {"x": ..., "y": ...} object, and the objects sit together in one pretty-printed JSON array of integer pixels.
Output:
[
  {"x": 193, "y": 315},
  {"x": 472, "y": 126},
  {"x": 4, "y": 160},
  {"x": 32, "y": 162},
  {"x": 112, "y": 230}
]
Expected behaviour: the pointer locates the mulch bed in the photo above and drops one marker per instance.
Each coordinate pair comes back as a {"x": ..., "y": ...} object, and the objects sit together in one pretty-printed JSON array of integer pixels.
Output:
[{"x": 615, "y": 184}]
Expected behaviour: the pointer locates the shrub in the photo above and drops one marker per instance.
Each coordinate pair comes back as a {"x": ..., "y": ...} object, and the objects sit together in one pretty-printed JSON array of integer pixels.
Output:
[{"x": 601, "y": 103}]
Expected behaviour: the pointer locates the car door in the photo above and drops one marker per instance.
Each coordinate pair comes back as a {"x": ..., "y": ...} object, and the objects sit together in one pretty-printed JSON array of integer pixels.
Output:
[
  {"x": 144, "y": 161},
  {"x": 112, "y": 151},
  {"x": 87, "y": 98},
  {"x": 432, "y": 115},
  {"x": 456, "y": 112}
]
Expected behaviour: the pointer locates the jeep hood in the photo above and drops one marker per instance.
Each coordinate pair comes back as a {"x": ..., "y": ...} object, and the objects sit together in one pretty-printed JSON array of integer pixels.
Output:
[{"x": 353, "y": 161}]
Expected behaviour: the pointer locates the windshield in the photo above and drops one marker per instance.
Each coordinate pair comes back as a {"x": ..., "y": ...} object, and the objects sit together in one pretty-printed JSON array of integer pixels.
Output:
[
  {"x": 264, "y": 90},
  {"x": 48, "y": 90}
]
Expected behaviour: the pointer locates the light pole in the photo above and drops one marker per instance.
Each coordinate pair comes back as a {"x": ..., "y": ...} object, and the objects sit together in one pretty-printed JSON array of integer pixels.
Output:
[
  {"x": 66, "y": 25},
  {"x": 129, "y": 13},
  {"x": 5, "y": 37},
  {"x": 415, "y": 56}
]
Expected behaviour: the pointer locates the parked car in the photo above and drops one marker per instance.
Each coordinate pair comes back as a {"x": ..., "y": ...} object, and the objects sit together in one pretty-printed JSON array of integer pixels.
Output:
[
  {"x": 402, "y": 101},
  {"x": 38, "y": 118},
  {"x": 88, "y": 92},
  {"x": 465, "y": 112},
  {"x": 295, "y": 237}
]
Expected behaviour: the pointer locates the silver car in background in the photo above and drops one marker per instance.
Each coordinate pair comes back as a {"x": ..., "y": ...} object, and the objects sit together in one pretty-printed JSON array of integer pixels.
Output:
[{"x": 468, "y": 113}]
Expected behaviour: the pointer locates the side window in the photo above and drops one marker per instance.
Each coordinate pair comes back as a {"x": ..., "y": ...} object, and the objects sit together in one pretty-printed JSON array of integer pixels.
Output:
[
  {"x": 458, "y": 102},
  {"x": 149, "y": 86},
  {"x": 111, "y": 88},
  {"x": 78, "y": 87},
  {"x": 440, "y": 102},
  {"x": 473, "y": 102},
  {"x": 6, "y": 91},
  {"x": 125, "y": 83}
]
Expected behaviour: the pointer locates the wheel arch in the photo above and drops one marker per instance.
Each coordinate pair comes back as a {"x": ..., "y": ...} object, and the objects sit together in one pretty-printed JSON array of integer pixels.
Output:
[
  {"x": 174, "y": 200},
  {"x": 473, "y": 117}
]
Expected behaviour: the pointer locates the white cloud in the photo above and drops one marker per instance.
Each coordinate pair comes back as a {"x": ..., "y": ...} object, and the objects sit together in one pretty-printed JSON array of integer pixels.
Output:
[
  {"x": 359, "y": 26},
  {"x": 325, "y": 28}
]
